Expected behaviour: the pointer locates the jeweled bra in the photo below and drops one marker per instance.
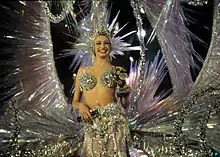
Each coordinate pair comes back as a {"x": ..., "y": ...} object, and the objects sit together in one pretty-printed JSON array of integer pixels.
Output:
[{"x": 109, "y": 79}]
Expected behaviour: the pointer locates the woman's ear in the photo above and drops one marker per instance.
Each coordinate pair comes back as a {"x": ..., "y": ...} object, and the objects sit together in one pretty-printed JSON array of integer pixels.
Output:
[{"x": 93, "y": 49}]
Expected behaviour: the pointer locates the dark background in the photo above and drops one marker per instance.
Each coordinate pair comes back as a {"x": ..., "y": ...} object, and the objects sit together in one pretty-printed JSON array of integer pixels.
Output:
[{"x": 200, "y": 24}]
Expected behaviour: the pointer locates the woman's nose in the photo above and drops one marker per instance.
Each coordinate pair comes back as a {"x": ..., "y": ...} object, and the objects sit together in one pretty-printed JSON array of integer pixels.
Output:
[{"x": 102, "y": 45}]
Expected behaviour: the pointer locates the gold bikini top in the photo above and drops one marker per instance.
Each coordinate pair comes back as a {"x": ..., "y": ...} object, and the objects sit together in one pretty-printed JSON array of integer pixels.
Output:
[{"x": 109, "y": 79}]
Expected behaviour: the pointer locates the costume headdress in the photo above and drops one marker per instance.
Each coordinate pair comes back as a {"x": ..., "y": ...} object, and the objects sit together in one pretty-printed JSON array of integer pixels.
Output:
[{"x": 98, "y": 22}]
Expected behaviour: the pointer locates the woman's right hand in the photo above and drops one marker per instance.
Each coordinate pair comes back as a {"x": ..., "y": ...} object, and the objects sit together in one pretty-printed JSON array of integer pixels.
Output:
[{"x": 84, "y": 111}]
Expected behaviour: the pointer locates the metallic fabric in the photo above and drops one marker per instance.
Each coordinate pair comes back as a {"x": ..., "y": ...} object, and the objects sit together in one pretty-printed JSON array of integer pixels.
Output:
[
  {"x": 196, "y": 2},
  {"x": 168, "y": 20},
  {"x": 135, "y": 5},
  {"x": 31, "y": 80},
  {"x": 200, "y": 112},
  {"x": 108, "y": 134},
  {"x": 109, "y": 79},
  {"x": 87, "y": 82},
  {"x": 67, "y": 8}
]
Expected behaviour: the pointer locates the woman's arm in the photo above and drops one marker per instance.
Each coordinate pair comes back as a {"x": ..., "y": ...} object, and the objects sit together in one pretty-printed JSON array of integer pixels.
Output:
[
  {"x": 83, "y": 108},
  {"x": 76, "y": 99}
]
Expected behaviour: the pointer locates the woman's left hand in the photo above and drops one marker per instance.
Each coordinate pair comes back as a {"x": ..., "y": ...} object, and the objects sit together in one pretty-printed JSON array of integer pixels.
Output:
[{"x": 123, "y": 92}]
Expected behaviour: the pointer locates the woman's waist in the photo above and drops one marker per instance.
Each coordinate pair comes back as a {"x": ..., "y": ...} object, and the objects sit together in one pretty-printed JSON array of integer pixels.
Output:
[
  {"x": 99, "y": 93},
  {"x": 109, "y": 109},
  {"x": 99, "y": 103}
]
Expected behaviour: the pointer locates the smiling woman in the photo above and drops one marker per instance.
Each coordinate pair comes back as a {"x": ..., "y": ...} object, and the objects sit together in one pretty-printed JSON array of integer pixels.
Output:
[
  {"x": 106, "y": 127},
  {"x": 101, "y": 45}
]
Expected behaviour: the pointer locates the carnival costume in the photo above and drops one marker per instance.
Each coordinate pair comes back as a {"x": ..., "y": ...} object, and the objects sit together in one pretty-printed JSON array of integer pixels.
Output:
[
  {"x": 36, "y": 119},
  {"x": 108, "y": 134}
]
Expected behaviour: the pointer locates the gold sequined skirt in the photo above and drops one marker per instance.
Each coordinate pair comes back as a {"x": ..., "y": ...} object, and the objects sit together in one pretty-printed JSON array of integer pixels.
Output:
[{"x": 108, "y": 134}]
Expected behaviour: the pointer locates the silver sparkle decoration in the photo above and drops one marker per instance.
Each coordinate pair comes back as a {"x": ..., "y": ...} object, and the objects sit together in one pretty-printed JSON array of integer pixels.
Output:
[
  {"x": 135, "y": 5},
  {"x": 181, "y": 142},
  {"x": 196, "y": 2},
  {"x": 16, "y": 129},
  {"x": 212, "y": 108},
  {"x": 179, "y": 139},
  {"x": 46, "y": 115},
  {"x": 167, "y": 19},
  {"x": 68, "y": 8},
  {"x": 204, "y": 149}
]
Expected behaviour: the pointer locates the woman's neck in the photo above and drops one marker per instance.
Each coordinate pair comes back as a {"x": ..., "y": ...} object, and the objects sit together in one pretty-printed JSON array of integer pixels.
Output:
[{"x": 101, "y": 62}]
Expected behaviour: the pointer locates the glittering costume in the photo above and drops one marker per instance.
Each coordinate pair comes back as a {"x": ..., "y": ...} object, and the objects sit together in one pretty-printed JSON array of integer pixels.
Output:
[
  {"x": 37, "y": 121},
  {"x": 108, "y": 134},
  {"x": 109, "y": 79},
  {"x": 88, "y": 82}
]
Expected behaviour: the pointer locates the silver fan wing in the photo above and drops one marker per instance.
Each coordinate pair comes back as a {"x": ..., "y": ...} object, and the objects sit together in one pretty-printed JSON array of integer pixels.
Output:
[
  {"x": 39, "y": 111},
  {"x": 187, "y": 122},
  {"x": 203, "y": 119}
]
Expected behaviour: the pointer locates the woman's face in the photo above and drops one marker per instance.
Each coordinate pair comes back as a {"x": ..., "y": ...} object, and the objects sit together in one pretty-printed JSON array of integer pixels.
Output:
[{"x": 102, "y": 46}]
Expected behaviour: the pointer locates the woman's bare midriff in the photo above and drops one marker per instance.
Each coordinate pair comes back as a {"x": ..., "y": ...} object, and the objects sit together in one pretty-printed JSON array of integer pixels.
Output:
[{"x": 99, "y": 97}]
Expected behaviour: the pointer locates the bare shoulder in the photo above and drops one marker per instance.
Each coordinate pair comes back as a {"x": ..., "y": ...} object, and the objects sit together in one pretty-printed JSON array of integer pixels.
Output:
[{"x": 83, "y": 69}]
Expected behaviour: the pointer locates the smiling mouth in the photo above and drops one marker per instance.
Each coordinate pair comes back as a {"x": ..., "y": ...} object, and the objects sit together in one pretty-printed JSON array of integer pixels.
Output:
[{"x": 103, "y": 51}]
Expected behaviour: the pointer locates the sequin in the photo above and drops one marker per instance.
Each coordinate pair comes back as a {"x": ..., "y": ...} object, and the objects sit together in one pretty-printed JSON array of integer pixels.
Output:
[
  {"x": 108, "y": 135},
  {"x": 109, "y": 79}
]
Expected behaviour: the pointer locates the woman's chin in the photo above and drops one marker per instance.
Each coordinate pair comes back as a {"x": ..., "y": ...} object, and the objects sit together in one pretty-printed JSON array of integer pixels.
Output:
[{"x": 103, "y": 55}]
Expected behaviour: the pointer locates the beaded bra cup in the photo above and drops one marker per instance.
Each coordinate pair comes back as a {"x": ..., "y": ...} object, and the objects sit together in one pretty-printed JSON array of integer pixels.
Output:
[{"x": 109, "y": 79}]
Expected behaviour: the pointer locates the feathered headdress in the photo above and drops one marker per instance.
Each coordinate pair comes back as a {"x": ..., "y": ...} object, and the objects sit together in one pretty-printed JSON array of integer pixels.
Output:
[{"x": 98, "y": 20}]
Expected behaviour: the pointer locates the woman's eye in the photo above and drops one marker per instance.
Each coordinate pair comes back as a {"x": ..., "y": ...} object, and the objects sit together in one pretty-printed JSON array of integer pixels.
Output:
[
  {"x": 98, "y": 43},
  {"x": 107, "y": 43}
]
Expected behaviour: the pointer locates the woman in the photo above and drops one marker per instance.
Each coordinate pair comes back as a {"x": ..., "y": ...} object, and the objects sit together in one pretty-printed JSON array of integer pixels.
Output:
[{"x": 106, "y": 127}]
